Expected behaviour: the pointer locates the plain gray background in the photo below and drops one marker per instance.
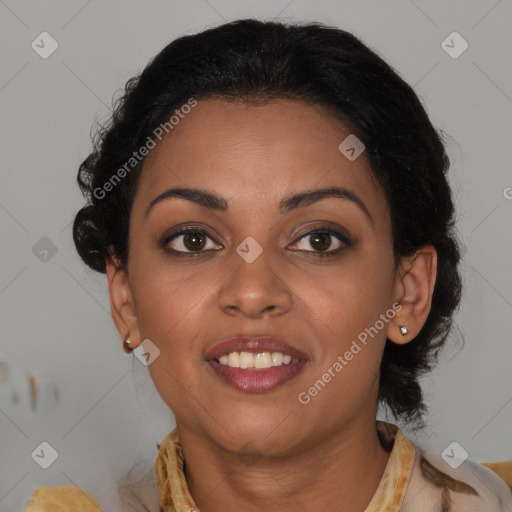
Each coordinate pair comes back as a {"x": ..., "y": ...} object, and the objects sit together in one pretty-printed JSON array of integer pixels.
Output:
[{"x": 55, "y": 313}]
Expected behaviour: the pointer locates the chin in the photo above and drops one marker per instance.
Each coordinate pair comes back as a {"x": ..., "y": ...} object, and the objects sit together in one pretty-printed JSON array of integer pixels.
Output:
[{"x": 260, "y": 436}]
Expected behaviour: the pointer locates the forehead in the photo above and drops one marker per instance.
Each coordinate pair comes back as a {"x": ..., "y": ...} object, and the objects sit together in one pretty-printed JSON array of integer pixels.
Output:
[{"x": 255, "y": 153}]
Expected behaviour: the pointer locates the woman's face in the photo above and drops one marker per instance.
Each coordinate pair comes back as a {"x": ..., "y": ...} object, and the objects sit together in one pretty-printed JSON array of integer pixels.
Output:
[{"x": 218, "y": 284}]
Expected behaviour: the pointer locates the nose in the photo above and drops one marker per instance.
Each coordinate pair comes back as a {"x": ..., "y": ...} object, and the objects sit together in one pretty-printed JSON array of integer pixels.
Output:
[{"x": 254, "y": 290}]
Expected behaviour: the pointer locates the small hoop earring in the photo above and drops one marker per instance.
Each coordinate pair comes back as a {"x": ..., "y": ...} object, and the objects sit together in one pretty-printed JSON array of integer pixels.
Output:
[{"x": 403, "y": 330}]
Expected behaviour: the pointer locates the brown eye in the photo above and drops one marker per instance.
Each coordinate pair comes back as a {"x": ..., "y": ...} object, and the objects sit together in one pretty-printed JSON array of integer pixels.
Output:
[
  {"x": 188, "y": 242},
  {"x": 194, "y": 241},
  {"x": 322, "y": 242}
]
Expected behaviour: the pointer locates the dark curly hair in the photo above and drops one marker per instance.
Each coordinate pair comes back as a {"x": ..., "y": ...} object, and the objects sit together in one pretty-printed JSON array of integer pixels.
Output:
[{"x": 254, "y": 61}]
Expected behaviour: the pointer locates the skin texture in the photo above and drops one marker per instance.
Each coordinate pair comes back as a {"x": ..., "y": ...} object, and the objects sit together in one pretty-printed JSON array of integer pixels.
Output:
[{"x": 254, "y": 156}]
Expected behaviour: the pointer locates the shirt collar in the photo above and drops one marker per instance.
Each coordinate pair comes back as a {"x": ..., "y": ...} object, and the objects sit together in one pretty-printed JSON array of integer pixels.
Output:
[
  {"x": 392, "y": 487},
  {"x": 175, "y": 496}
]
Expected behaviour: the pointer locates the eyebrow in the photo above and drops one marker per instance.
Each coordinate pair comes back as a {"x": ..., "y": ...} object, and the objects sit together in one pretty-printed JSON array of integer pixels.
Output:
[{"x": 211, "y": 201}]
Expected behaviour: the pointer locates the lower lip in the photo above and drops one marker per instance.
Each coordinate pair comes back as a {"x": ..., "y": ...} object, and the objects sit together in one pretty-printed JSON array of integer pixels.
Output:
[{"x": 256, "y": 381}]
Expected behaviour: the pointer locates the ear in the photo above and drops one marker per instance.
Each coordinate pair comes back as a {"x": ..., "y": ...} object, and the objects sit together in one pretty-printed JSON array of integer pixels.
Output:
[
  {"x": 122, "y": 305},
  {"x": 414, "y": 287}
]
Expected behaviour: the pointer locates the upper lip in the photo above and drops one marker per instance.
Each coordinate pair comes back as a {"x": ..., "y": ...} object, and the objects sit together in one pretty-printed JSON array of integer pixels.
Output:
[{"x": 254, "y": 344}]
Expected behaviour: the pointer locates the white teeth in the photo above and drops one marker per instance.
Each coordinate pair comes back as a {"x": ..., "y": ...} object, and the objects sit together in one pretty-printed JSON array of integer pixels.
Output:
[
  {"x": 277, "y": 359},
  {"x": 246, "y": 359},
  {"x": 261, "y": 360},
  {"x": 233, "y": 360}
]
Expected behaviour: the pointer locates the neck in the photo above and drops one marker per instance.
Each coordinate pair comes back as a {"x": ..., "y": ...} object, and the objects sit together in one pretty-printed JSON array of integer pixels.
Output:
[{"x": 341, "y": 472}]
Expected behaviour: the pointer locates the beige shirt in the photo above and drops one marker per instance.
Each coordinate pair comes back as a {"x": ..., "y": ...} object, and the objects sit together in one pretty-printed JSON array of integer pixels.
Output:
[{"x": 413, "y": 481}]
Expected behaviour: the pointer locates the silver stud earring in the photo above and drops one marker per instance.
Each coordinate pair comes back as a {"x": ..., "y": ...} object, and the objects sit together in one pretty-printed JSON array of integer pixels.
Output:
[
  {"x": 403, "y": 330},
  {"x": 126, "y": 344}
]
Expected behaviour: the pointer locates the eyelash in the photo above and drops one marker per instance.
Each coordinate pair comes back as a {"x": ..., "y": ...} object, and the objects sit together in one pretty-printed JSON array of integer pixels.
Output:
[
  {"x": 324, "y": 230},
  {"x": 315, "y": 230}
]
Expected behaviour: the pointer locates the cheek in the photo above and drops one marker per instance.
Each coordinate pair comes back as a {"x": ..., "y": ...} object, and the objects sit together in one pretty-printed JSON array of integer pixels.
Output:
[
  {"x": 169, "y": 302},
  {"x": 168, "y": 314},
  {"x": 347, "y": 311},
  {"x": 348, "y": 301},
  {"x": 171, "y": 314}
]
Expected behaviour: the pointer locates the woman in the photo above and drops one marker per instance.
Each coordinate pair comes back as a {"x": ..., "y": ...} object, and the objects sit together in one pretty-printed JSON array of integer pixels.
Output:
[{"x": 271, "y": 209}]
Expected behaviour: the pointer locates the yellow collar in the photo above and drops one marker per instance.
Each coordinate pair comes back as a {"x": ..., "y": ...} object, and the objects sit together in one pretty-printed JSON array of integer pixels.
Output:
[{"x": 175, "y": 497}]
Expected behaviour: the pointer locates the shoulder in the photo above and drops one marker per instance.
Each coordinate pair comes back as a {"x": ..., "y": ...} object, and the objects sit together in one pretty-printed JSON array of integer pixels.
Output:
[
  {"x": 64, "y": 498},
  {"x": 460, "y": 486}
]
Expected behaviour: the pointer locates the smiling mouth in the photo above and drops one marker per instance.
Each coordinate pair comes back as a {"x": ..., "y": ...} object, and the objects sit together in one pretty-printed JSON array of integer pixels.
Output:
[
  {"x": 256, "y": 361},
  {"x": 254, "y": 364},
  {"x": 256, "y": 372}
]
